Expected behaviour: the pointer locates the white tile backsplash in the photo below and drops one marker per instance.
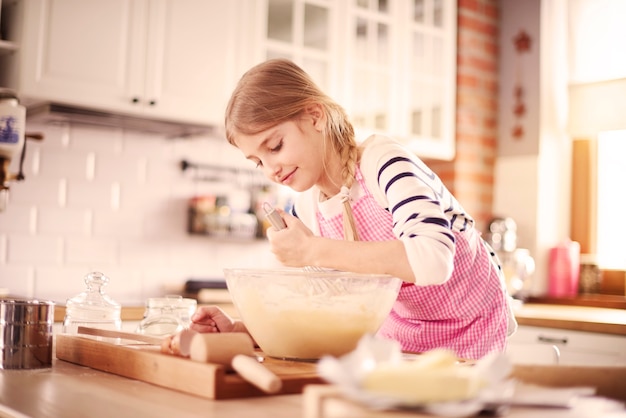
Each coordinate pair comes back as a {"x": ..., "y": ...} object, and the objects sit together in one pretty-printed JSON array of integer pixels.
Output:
[
  {"x": 22, "y": 249},
  {"x": 102, "y": 141},
  {"x": 19, "y": 218},
  {"x": 85, "y": 194},
  {"x": 65, "y": 221},
  {"x": 63, "y": 163},
  {"x": 19, "y": 279},
  {"x": 114, "y": 201},
  {"x": 43, "y": 191}
]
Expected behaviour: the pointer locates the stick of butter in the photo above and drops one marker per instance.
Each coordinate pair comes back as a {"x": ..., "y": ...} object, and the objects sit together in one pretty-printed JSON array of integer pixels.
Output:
[{"x": 434, "y": 376}]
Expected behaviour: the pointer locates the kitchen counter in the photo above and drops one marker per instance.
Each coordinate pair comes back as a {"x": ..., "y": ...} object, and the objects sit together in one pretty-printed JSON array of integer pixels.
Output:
[
  {"x": 67, "y": 390},
  {"x": 575, "y": 318}
]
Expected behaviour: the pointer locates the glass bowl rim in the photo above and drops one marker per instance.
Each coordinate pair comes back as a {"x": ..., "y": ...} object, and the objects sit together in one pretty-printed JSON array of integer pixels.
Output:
[{"x": 301, "y": 273}]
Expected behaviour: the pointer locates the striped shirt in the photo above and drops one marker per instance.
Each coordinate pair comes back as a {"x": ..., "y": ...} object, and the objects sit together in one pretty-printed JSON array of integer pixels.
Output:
[{"x": 458, "y": 300}]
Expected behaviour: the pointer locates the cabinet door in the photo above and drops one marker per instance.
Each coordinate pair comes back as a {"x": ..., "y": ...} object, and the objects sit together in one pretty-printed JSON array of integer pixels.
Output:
[
  {"x": 401, "y": 67},
  {"x": 190, "y": 59},
  {"x": 575, "y": 347},
  {"x": 303, "y": 31},
  {"x": 373, "y": 38},
  {"x": 84, "y": 52},
  {"x": 169, "y": 59},
  {"x": 426, "y": 115}
]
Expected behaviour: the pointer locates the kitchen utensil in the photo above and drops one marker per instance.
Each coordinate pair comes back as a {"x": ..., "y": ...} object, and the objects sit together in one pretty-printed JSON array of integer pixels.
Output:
[
  {"x": 93, "y": 307},
  {"x": 273, "y": 217},
  {"x": 236, "y": 351},
  {"x": 25, "y": 333},
  {"x": 278, "y": 223},
  {"x": 290, "y": 317},
  {"x": 206, "y": 380}
]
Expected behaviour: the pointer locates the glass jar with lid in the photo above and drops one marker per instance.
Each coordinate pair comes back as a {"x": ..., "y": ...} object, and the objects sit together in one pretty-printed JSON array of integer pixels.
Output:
[
  {"x": 166, "y": 315},
  {"x": 93, "y": 307},
  {"x": 590, "y": 280}
]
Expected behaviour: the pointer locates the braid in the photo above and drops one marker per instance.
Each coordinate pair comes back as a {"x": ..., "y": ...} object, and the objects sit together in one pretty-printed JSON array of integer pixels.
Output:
[{"x": 349, "y": 156}]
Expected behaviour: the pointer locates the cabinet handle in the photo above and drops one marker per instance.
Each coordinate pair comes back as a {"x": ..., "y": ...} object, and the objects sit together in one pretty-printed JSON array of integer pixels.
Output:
[
  {"x": 552, "y": 340},
  {"x": 135, "y": 99},
  {"x": 152, "y": 102}
]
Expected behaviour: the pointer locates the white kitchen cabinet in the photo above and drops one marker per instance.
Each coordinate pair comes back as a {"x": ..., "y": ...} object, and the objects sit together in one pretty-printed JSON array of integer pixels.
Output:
[
  {"x": 574, "y": 347},
  {"x": 166, "y": 59},
  {"x": 390, "y": 63},
  {"x": 374, "y": 35},
  {"x": 426, "y": 113},
  {"x": 401, "y": 71},
  {"x": 304, "y": 31},
  {"x": 8, "y": 44}
]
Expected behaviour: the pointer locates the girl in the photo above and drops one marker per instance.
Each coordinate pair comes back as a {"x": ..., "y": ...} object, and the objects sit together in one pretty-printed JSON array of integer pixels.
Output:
[{"x": 368, "y": 208}]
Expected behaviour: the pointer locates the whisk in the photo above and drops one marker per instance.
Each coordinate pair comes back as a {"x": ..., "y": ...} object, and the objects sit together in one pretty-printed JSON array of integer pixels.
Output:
[{"x": 319, "y": 285}]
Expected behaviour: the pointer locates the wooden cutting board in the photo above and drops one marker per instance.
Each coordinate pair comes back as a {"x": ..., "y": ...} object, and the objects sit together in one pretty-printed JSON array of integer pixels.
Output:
[{"x": 146, "y": 363}]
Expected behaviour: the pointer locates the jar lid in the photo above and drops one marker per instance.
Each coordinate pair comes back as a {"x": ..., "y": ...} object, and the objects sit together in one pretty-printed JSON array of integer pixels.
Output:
[
  {"x": 6, "y": 93},
  {"x": 94, "y": 298},
  {"x": 588, "y": 259}
]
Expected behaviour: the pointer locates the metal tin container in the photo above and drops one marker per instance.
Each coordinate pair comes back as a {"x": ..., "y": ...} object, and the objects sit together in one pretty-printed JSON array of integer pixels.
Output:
[{"x": 25, "y": 333}]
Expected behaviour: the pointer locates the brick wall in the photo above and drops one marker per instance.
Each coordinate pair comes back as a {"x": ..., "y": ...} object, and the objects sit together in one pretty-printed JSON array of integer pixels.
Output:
[{"x": 470, "y": 175}]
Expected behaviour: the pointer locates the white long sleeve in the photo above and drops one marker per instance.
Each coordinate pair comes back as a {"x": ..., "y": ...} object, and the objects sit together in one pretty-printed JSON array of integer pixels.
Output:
[{"x": 424, "y": 212}]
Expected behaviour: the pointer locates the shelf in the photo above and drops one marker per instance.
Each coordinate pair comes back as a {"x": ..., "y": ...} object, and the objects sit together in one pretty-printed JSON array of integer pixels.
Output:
[{"x": 595, "y": 300}]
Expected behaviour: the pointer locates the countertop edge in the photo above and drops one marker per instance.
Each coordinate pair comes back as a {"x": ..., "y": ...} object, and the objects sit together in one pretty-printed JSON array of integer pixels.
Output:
[{"x": 575, "y": 318}]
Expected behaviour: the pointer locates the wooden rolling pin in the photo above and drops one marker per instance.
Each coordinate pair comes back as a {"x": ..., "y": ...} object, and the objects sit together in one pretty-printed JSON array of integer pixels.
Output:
[{"x": 234, "y": 350}]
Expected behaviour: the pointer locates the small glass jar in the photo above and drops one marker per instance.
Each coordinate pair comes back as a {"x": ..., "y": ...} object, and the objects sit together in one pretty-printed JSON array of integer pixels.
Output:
[
  {"x": 590, "y": 278},
  {"x": 93, "y": 307},
  {"x": 167, "y": 315}
]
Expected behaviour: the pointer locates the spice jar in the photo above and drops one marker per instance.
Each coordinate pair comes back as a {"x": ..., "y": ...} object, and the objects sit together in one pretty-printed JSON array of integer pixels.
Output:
[{"x": 590, "y": 274}]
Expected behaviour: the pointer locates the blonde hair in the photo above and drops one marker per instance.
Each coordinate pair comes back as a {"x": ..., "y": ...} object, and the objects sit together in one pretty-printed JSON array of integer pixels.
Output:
[{"x": 278, "y": 91}]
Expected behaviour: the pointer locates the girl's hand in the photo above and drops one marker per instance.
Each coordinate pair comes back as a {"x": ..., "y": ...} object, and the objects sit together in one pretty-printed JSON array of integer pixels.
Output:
[
  {"x": 214, "y": 319},
  {"x": 290, "y": 245}
]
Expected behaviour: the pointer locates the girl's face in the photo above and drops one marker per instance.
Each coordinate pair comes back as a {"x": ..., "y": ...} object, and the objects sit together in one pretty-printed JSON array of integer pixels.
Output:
[{"x": 291, "y": 153}]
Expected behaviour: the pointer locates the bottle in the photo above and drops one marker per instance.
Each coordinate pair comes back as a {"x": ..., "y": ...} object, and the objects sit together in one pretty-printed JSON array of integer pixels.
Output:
[
  {"x": 564, "y": 269},
  {"x": 92, "y": 308},
  {"x": 12, "y": 123}
]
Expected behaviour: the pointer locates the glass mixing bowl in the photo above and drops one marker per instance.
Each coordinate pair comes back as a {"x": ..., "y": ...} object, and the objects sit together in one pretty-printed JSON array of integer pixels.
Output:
[{"x": 303, "y": 315}]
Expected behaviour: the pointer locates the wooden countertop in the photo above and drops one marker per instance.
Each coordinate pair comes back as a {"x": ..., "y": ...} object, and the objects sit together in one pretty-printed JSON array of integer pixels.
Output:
[
  {"x": 575, "y": 318},
  {"x": 68, "y": 390}
]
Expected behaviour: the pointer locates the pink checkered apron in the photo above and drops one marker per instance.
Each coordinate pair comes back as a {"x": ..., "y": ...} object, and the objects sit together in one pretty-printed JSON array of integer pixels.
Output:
[{"x": 467, "y": 314}]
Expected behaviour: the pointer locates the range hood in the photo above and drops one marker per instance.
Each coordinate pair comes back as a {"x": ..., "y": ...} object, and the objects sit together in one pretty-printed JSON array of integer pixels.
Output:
[{"x": 63, "y": 113}]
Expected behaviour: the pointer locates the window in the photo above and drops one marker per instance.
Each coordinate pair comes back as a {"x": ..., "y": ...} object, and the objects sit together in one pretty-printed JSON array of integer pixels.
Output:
[
  {"x": 611, "y": 200},
  {"x": 597, "y": 123}
]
